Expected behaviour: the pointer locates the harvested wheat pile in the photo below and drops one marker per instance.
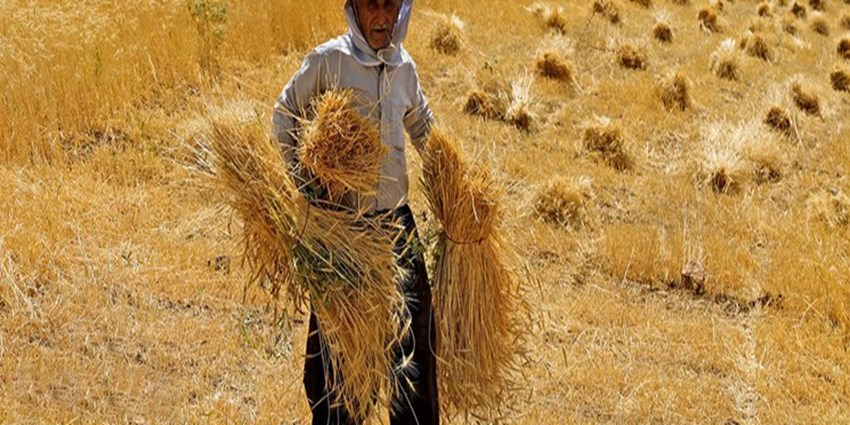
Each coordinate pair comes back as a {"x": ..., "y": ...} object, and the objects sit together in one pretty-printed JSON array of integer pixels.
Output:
[
  {"x": 778, "y": 120},
  {"x": 765, "y": 10},
  {"x": 756, "y": 46},
  {"x": 662, "y": 31},
  {"x": 840, "y": 79},
  {"x": 818, "y": 5},
  {"x": 344, "y": 265},
  {"x": 708, "y": 19},
  {"x": 845, "y": 21},
  {"x": 566, "y": 202},
  {"x": 820, "y": 26},
  {"x": 674, "y": 90},
  {"x": 519, "y": 111},
  {"x": 608, "y": 9},
  {"x": 448, "y": 35},
  {"x": 485, "y": 104},
  {"x": 843, "y": 48},
  {"x": 340, "y": 147},
  {"x": 805, "y": 99},
  {"x": 831, "y": 206},
  {"x": 632, "y": 56},
  {"x": 476, "y": 289},
  {"x": 800, "y": 11},
  {"x": 553, "y": 65},
  {"x": 607, "y": 141},
  {"x": 725, "y": 61}
]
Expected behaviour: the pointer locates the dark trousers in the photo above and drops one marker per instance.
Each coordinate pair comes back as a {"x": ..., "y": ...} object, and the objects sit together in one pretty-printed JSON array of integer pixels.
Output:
[{"x": 417, "y": 406}]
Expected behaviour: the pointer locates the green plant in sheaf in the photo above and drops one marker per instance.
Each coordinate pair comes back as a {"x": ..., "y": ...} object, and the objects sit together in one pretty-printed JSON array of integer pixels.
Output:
[{"x": 210, "y": 17}]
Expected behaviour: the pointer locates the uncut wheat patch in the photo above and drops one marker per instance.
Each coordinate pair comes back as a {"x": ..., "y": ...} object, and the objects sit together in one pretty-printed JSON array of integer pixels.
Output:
[
  {"x": 341, "y": 263},
  {"x": 475, "y": 283}
]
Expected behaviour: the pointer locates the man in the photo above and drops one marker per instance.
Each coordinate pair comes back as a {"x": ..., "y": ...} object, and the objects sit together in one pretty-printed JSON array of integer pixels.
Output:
[{"x": 370, "y": 60}]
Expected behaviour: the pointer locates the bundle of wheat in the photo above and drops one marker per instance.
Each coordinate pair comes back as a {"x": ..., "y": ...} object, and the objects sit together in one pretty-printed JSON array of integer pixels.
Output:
[
  {"x": 340, "y": 147},
  {"x": 342, "y": 263},
  {"x": 476, "y": 289}
]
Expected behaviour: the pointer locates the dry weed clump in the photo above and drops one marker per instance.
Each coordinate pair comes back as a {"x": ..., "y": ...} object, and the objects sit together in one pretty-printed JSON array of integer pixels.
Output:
[
  {"x": 708, "y": 19},
  {"x": 553, "y": 65},
  {"x": 565, "y": 202},
  {"x": 608, "y": 9},
  {"x": 476, "y": 288},
  {"x": 662, "y": 30},
  {"x": 343, "y": 264},
  {"x": 756, "y": 46},
  {"x": 725, "y": 61},
  {"x": 820, "y": 26},
  {"x": 843, "y": 48},
  {"x": 805, "y": 99},
  {"x": 632, "y": 56},
  {"x": 830, "y": 206},
  {"x": 840, "y": 79},
  {"x": 674, "y": 90},
  {"x": 340, "y": 147},
  {"x": 448, "y": 35},
  {"x": 607, "y": 141}
]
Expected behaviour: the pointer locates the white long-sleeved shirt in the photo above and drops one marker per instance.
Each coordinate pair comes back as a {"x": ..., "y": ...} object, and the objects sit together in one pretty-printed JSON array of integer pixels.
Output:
[{"x": 387, "y": 92}]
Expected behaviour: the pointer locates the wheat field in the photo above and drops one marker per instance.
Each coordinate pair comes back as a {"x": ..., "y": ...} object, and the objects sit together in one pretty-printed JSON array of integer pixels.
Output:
[{"x": 675, "y": 175}]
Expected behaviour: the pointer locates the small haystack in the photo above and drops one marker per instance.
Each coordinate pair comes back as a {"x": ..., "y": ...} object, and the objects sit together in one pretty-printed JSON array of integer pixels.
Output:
[
  {"x": 608, "y": 9},
  {"x": 340, "y": 147},
  {"x": 708, "y": 19},
  {"x": 632, "y": 56},
  {"x": 519, "y": 111},
  {"x": 674, "y": 90},
  {"x": 476, "y": 289},
  {"x": 800, "y": 11},
  {"x": 778, "y": 120},
  {"x": 805, "y": 99},
  {"x": 820, "y": 26},
  {"x": 756, "y": 46},
  {"x": 448, "y": 35},
  {"x": 485, "y": 104},
  {"x": 607, "y": 141},
  {"x": 725, "y": 61},
  {"x": 843, "y": 48},
  {"x": 343, "y": 264},
  {"x": 565, "y": 202},
  {"x": 551, "y": 64},
  {"x": 840, "y": 79}
]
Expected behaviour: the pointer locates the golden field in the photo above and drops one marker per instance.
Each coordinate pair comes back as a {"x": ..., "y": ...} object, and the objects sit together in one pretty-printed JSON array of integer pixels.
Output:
[{"x": 684, "y": 205}]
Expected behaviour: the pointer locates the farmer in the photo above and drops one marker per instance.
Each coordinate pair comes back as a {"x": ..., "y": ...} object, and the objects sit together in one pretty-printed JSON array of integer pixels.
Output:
[{"x": 370, "y": 60}]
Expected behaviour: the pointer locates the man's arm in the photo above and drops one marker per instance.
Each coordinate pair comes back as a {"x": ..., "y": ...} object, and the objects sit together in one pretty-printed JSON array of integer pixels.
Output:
[
  {"x": 419, "y": 119},
  {"x": 292, "y": 104}
]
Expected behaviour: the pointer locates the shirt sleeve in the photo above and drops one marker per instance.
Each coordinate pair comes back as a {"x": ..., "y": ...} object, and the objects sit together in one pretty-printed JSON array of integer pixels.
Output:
[
  {"x": 418, "y": 120},
  {"x": 292, "y": 105}
]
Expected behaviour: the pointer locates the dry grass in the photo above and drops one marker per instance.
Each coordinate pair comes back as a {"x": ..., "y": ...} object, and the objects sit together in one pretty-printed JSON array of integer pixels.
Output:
[
  {"x": 831, "y": 206},
  {"x": 341, "y": 148},
  {"x": 644, "y": 3},
  {"x": 565, "y": 202},
  {"x": 845, "y": 21},
  {"x": 477, "y": 290},
  {"x": 725, "y": 61}
]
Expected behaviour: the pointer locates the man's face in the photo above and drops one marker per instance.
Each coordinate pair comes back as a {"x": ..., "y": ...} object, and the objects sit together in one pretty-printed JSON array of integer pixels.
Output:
[{"x": 377, "y": 20}]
